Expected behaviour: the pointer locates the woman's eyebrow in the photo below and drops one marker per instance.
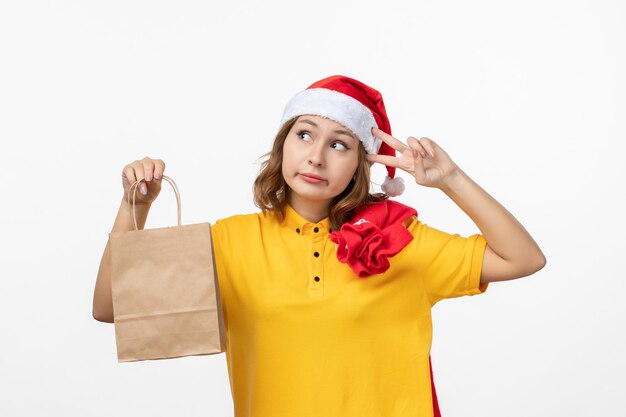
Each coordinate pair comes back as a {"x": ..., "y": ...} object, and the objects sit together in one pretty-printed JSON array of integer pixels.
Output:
[{"x": 338, "y": 131}]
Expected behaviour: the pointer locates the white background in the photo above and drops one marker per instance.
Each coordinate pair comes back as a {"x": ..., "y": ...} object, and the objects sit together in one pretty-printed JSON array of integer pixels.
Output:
[{"x": 527, "y": 97}]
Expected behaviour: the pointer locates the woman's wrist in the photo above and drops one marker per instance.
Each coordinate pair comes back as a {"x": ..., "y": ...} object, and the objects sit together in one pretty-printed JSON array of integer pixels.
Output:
[{"x": 455, "y": 182}]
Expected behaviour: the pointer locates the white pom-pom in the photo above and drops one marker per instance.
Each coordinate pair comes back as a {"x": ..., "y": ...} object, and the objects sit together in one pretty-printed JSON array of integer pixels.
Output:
[{"x": 393, "y": 187}]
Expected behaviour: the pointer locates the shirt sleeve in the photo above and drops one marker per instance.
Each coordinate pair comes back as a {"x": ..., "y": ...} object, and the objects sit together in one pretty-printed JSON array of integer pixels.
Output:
[
  {"x": 449, "y": 265},
  {"x": 220, "y": 256}
]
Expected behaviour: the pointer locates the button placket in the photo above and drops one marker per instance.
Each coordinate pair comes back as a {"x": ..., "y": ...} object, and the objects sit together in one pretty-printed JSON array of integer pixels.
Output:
[{"x": 317, "y": 241}]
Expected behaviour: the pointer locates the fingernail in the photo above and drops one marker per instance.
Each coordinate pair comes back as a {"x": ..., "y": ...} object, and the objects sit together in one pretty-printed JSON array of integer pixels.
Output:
[
  {"x": 148, "y": 177},
  {"x": 431, "y": 153},
  {"x": 143, "y": 190},
  {"x": 156, "y": 176}
]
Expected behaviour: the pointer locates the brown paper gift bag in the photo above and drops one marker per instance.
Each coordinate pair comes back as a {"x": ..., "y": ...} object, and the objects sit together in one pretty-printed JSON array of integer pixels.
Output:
[{"x": 166, "y": 300}]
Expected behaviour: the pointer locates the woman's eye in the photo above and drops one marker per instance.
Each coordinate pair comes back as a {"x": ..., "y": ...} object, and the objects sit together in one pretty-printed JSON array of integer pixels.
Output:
[
  {"x": 302, "y": 135},
  {"x": 340, "y": 146}
]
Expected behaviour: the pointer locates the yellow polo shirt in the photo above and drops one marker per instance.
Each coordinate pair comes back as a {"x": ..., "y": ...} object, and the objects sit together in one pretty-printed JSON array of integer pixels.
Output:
[{"x": 306, "y": 337}]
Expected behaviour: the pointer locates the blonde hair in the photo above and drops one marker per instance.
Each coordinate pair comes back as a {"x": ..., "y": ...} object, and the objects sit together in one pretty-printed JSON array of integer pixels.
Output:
[{"x": 271, "y": 190}]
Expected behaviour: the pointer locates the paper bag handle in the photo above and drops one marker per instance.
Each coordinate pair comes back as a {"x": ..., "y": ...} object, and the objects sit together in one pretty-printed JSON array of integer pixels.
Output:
[{"x": 134, "y": 188}]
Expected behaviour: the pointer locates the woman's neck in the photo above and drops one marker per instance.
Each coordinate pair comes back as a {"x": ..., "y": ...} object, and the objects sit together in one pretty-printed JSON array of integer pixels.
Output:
[{"x": 313, "y": 211}]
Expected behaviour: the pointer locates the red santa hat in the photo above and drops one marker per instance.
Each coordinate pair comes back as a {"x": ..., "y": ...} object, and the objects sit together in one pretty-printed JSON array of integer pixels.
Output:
[{"x": 355, "y": 106}]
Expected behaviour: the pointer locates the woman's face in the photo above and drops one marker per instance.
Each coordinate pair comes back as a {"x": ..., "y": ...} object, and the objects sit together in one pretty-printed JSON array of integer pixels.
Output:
[{"x": 320, "y": 158}]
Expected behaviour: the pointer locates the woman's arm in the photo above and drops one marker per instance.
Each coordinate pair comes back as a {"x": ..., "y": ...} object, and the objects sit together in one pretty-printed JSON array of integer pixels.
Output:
[
  {"x": 151, "y": 172},
  {"x": 102, "y": 301},
  {"x": 511, "y": 252}
]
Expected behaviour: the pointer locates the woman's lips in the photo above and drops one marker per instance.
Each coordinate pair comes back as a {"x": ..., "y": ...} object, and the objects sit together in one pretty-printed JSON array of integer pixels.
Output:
[{"x": 312, "y": 178}]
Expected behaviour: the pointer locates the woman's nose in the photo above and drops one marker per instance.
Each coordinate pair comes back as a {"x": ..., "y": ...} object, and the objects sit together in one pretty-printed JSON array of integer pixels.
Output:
[
  {"x": 317, "y": 156},
  {"x": 315, "y": 162}
]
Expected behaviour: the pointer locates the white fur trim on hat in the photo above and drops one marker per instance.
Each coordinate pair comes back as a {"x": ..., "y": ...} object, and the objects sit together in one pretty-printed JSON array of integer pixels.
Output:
[{"x": 339, "y": 107}]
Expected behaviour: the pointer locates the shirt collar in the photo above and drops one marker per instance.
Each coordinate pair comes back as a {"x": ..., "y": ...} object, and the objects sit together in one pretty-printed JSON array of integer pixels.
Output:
[{"x": 294, "y": 221}]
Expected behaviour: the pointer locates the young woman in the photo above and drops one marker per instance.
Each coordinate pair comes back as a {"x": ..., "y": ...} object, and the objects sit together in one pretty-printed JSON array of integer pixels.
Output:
[{"x": 327, "y": 292}]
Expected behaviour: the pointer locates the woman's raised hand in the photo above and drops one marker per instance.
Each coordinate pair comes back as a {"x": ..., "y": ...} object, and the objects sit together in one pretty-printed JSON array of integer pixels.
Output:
[
  {"x": 422, "y": 158},
  {"x": 149, "y": 169}
]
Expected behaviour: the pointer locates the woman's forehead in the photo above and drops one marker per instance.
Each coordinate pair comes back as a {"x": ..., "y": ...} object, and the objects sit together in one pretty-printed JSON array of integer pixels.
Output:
[{"x": 323, "y": 122}]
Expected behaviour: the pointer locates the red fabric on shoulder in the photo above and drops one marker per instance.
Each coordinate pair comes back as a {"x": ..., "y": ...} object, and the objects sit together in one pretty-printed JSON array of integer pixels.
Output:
[{"x": 374, "y": 234}]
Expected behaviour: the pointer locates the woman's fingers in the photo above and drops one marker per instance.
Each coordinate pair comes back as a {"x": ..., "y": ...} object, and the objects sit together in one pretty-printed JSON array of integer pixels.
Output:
[
  {"x": 134, "y": 172},
  {"x": 419, "y": 171},
  {"x": 147, "y": 173},
  {"x": 159, "y": 168},
  {"x": 414, "y": 143},
  {"x": 140, "y": 174},
  {"x": 414, "y": 157},
  {"x": 148, "y": 168},
  {"x": 138, "y": 168},
  {"x": 137, "y": 171},
  {"x": 429, "y": 145},
  {"x": 129, "y": 174},
  {"x": 405, "y": 160},
  {"x": 389, "y": 140},
  {"x": 388, "y": 160},
  {"x": 423, "y": 145}
]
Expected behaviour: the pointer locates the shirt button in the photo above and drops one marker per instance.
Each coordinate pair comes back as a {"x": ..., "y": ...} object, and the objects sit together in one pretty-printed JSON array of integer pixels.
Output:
[
  {"x": 316, "y": 254},
  {"x": 316, "y": 229},
  {"x": 316, "y": 279},
  {"x": 298, "y": 230}
]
